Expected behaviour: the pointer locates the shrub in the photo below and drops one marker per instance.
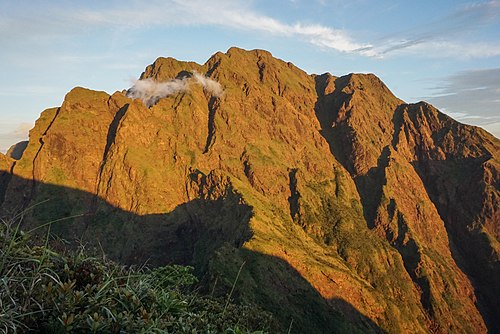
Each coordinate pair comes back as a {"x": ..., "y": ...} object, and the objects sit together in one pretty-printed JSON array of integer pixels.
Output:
[{"x": 42, "y": 290}]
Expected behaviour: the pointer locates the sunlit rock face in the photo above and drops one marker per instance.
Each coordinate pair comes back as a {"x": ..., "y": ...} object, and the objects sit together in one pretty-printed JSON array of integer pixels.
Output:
[{"x": 350, "y": 210}]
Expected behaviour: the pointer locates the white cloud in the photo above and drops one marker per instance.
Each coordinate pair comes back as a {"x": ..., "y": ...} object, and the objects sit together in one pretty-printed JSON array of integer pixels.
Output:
[
  {"x": 438, "y": 38},
  {"x": 493, "y": 128},
  {"x": 233, "y": 14},
  {"x": 439, "y": 49},
  {"x": 150, "y": 91},
  {"x": 137, "y": 14},
  {"x": 12, "y": 133},
  {"x": 209, "y": 85},
  {"x": 447, "y": 36},
  {"x": 330, "y": 38},
  {"x": 471, "y": 96},
  {"x": 22, "y": 130},
  {"x": 27, "y": 90}
]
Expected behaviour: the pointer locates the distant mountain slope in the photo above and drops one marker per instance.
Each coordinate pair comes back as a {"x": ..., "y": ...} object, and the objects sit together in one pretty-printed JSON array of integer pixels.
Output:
[{"x": 346, "y": 209}]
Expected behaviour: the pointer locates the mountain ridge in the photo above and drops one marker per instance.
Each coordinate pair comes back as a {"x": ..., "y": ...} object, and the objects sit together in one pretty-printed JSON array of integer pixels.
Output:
[{"x": 359, "y": 192}]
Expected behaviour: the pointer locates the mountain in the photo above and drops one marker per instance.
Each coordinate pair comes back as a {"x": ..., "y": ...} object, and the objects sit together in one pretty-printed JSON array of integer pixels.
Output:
[
  {"x": 16, "y": 150},
  {"x": 326, "y": 200}
]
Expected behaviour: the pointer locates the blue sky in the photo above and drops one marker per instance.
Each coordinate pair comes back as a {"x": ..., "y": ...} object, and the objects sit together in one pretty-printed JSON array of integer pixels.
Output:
[{"x": 444, "y": 52}]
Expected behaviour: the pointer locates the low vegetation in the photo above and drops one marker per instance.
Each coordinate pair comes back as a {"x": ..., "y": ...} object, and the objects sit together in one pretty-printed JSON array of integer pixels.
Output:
[{"x": 46, "y": 291}]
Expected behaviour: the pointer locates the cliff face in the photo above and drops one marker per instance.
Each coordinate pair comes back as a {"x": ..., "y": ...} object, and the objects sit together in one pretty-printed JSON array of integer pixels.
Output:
[{"x": 347, "y": 209}]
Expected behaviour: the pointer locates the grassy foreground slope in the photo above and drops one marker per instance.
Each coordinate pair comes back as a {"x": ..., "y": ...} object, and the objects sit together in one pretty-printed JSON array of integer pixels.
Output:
[{"x": 45, "y": 291}]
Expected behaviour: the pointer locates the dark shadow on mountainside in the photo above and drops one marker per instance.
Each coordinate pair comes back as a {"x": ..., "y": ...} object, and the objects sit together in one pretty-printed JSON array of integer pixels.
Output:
[{"x": 208, "y": 234}]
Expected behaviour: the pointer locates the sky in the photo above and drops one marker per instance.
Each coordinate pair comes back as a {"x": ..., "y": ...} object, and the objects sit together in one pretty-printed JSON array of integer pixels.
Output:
[{"x": 446, "y": 52}]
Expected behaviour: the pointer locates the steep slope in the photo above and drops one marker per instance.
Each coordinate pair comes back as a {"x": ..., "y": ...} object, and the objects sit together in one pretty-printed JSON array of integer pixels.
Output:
[
  {"x": 459, "y": 166},
  {"x": 358, "y": 124},
  {"x": 6, "y": 164},
  {"x": 331, "y": 195},
  {"x": 17, "y": 150}
]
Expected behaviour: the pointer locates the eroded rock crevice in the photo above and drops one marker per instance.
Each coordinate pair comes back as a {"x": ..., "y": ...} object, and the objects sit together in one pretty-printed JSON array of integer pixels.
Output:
[
  {"x": 370, "y": 187},
  {"x": 110, "y": 139},
  {"x": 410, "y": 252},
  {"x": 293, "y": 200},
  {"x": 35, "y": 158},
  {"x": 213, "y": 106}
]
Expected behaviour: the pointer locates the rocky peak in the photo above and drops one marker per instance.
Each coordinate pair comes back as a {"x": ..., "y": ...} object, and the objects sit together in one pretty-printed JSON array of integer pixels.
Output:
[
  {"x": 348, "y": 197},
  {"x": 169, "y": 68}
]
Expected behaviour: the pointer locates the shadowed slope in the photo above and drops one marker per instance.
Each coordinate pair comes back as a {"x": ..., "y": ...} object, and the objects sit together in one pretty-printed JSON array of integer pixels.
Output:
[
  {"x": 16, "y": 151},
  {"x": 459, "y": 166},
  {"x": 209, "y": 233},
  {"x": 317, "y": 159}
]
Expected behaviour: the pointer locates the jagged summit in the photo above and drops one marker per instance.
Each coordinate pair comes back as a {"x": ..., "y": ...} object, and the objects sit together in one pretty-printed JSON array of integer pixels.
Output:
[{"x": 352, "y": 210}]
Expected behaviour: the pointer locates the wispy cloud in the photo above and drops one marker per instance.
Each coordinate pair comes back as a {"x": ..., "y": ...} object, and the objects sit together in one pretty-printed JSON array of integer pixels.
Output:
[
  {"x": 150, "y": 91},
  {"x": 11, "y": 133},
  {"x": 438, "y": 48},
  {"x": 447, "y": 36},
  {"x": 493, "y": 128},
  {"x": 22, "y": 130},
  {"x": 233, "y": 14},
  {"x": 209, "y": 85},
  {"x": 471, "y": 96},
  {"x": 27, "y": 90},
  {"x": 135, "y": 15}
]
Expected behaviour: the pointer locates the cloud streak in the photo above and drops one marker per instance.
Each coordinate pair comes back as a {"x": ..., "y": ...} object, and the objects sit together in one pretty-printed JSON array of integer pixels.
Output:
[
  {"x": 211, "y": 86},
  {"x": 467, "y": 94},
  {"x": 22, "y": 130},
  {"x": 11, "y": 133},
  {"x": 135, "y": 15},
  {"x": 150, "y": 91},
  {"x": 233, "y": 14},
  {"x": 445, "y": 36}
]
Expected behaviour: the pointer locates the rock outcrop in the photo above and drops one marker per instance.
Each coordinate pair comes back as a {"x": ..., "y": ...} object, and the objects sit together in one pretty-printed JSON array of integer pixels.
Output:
[
  {"x": 16, "y": 151},
  {"x": 346, "y": 209}
]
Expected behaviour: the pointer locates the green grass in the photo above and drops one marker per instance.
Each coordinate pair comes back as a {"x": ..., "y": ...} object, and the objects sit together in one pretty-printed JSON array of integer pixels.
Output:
[{"x": 43, "y": 290}]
